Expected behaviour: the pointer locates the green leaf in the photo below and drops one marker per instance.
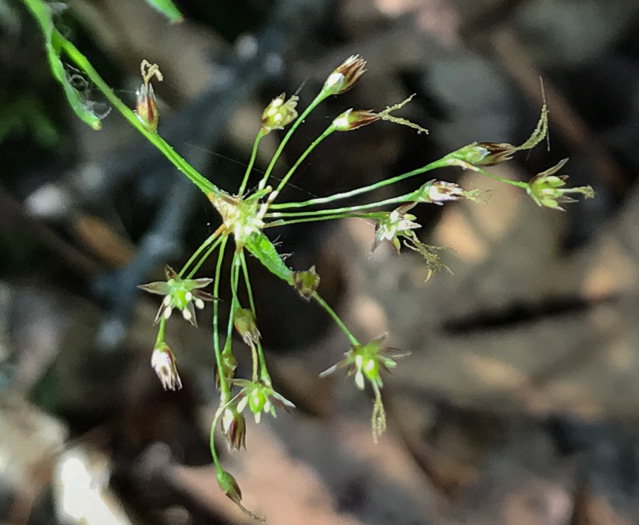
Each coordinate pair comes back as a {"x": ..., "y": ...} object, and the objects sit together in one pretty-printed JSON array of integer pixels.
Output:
[
  {"x": 263, "y": 249},
  {"x": 168, "y": 9},
  {"x": 42, "y": 13}
]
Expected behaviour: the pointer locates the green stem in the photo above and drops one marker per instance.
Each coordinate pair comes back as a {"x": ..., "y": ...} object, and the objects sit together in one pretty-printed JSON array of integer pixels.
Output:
[
  {"x": 225, "y": 390},
  {"x": 336, "y": 318},
  {"x": 204, "y": 258},
  {"x": 209, "y": 240},
  {"x": 249, "y": 168},
  {"x": 216, "y": 460},
  {"x": 284, "y": 222},
  {"x": 235, "y": 277},
  {"x": 160, "y": 337},
  {"x": 318, "y": 99},
  {"x": 365, "y": 189},
  {"x": 265, "y": 376},
  {"x": 81, "y": 61},
  {"x": 303, "y": 156},
  {"x": 501, "y": 179},
  {"x": 345, "y": 209}
]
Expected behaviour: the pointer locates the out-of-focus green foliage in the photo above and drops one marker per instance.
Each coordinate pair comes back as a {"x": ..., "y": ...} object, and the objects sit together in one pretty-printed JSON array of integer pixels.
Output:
[
  {"x": 167, "y": 7},
  {"x": 43, "y": 15}
]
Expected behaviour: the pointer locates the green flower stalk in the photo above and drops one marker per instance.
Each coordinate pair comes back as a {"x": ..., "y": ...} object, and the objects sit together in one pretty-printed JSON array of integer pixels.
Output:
[{"x": 245, "y": 215}]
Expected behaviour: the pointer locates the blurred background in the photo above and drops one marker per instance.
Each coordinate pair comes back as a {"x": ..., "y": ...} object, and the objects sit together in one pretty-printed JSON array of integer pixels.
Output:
[{"x": 519, "y": 402}]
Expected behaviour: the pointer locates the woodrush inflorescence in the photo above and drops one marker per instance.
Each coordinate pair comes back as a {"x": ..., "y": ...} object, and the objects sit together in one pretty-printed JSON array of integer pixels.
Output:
[{"x": 245, "y": 216}]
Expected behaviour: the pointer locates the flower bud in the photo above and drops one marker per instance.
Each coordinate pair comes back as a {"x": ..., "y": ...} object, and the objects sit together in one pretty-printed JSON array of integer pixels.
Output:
[
  {"x": 546, "y": 188},
  {"x": 234, "y": 428},
  {"x": 229, "y": 364},
  {"x": 229, "y": 486},
  {"x": 350, "y": 120},
  {"x": 438, "y": 192},
  {"x": 146, "y": 106},
  {"x": 163, "y": 362},
  {"x": 231, "y": 489},
  {"x": 345, "y": 76},
  {"x": 279, "y": 113},
  {"x": 492, "y": 153},
  {"x": 244, "y": 322},
  {"x": 484, "y": 153},
  {"x": 306, "y": 282}
]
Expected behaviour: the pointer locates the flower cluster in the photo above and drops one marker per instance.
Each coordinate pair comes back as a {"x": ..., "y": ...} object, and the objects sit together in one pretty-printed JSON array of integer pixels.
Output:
[
  {"x": 246, "y": 214},
  {"x": 244, "y": 217}
]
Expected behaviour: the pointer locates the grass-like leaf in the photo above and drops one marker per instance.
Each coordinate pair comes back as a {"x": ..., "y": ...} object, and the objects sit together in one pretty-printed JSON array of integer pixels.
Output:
[
  {"x": 42, "y": 13},
  {"x": 168, "y": 9}
]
